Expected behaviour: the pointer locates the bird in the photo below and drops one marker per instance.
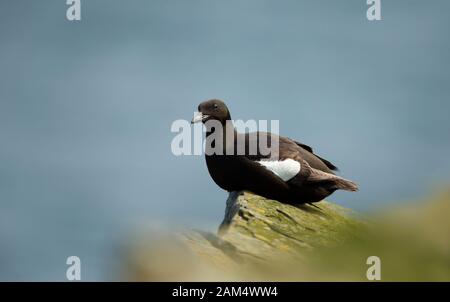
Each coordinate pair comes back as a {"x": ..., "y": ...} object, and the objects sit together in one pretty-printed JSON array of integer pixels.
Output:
[{"x": 291, "y": 173}]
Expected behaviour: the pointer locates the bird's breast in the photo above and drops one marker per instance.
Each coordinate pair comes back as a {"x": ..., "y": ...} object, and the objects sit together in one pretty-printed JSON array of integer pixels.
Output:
[{"x": 223, "y": 171}]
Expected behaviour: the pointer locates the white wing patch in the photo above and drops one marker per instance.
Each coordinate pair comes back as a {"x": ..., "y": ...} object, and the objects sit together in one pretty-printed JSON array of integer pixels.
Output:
[{"x": 285, "y": 169}]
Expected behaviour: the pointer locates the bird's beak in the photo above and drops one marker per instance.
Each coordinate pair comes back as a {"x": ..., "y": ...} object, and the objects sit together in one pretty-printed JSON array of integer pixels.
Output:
[{"x": 199, "y": 117}]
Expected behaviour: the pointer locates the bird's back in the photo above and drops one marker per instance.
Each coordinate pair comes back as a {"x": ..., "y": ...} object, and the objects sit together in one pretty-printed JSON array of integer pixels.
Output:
[{"x": 286, "y": 149}]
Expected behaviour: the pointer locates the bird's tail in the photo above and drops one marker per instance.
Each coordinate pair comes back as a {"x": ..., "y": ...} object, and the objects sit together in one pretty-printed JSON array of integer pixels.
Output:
[
  {"x": 345, "y": 184},
  {"x": 333, "y": 181}
]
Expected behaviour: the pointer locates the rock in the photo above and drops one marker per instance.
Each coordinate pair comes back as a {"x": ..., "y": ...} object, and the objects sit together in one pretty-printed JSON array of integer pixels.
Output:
[
  {"x": 256, "y": 236},
  {"x": 265, "y": 240},
  {"x": 258, "y": 226}
]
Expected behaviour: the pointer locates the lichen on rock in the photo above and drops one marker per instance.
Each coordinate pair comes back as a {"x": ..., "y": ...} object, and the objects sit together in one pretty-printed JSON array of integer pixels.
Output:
[
  {"x": 261, "y": 239},
  {"x": 284, "y": 227},
  {"x": 256, "y": 236}
]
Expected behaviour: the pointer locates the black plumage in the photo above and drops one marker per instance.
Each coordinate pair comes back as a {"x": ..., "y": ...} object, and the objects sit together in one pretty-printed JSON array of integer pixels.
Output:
[{"x": 255, "y": 172}]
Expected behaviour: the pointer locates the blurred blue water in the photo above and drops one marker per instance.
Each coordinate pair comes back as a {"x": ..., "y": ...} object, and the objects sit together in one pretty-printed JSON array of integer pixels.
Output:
[{"x": 86, "y": 109}]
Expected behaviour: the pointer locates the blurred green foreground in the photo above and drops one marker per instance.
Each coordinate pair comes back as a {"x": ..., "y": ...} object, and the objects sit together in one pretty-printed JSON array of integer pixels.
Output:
[{"x": 263, "y": 240}]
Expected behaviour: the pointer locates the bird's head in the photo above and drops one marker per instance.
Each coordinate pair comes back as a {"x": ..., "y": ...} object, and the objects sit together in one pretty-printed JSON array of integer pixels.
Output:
[{"x": 212, "y": 110}]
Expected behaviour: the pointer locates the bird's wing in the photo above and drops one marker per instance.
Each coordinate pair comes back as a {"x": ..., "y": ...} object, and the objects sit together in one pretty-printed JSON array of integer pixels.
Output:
[
  {"x": 292, "y": 162},
  {"x": 280, "y": 160},
  {"x": 284, "y": 161},
  {"x": 310, "y": 150},
  {"x": 263, "y": 181}
]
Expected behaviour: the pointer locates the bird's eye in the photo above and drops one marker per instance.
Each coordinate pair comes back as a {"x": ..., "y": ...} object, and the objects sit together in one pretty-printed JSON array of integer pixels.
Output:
[{"x": 215, "y": 106}]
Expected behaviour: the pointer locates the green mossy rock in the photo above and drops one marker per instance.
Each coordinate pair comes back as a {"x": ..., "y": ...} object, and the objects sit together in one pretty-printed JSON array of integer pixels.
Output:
[
  {"x": 255, "y": 233},
  {"x": 261, "y": 227},
  {"x": 265, "y": 240}
]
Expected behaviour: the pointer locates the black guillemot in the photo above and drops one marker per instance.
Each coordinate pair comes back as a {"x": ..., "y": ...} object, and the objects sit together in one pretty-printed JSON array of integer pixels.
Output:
[{"x": 291, "y": 173}]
